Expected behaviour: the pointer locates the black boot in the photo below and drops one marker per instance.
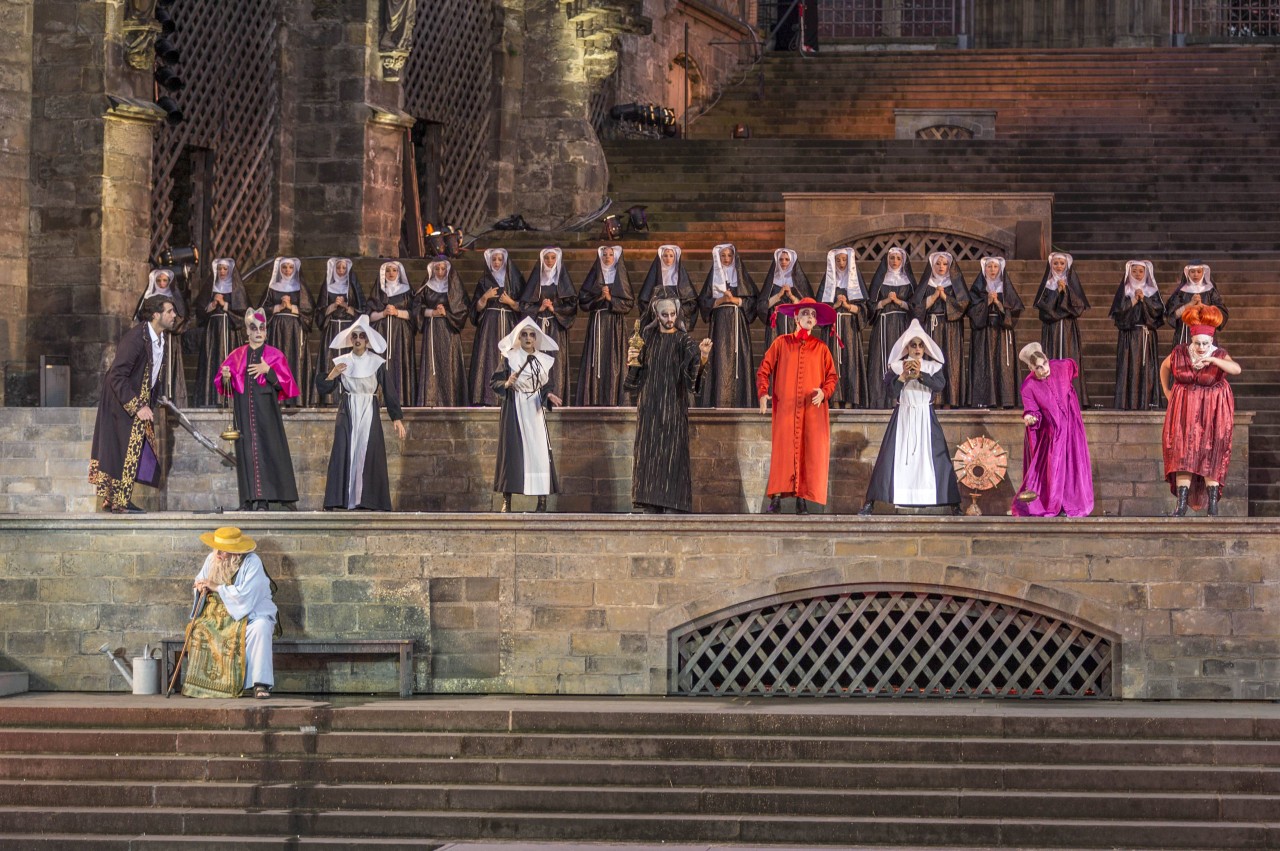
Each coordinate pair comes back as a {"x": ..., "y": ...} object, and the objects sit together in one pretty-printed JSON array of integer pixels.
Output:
[
  {"x": 802, "y": 507},
  {"x": 542, "y": 504},
  {"x": 506, "y": 503},
  {"x": 1215, "y": 494},
  {"x": 1181, "y": 510},
  {"x": 868, "y": 509},
  {"x": 775, "y": 505}
]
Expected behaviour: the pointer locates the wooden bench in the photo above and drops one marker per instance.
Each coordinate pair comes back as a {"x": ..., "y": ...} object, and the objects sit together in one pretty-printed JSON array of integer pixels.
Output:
[{"x": 401, "y": 647}]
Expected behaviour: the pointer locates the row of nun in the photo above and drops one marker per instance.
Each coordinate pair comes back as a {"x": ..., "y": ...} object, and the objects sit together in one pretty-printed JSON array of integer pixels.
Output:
[{"x": 423, "y": 325}]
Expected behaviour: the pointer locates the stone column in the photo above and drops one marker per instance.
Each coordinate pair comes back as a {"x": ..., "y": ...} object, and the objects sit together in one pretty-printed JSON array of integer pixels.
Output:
[
  {"x": 90, "y": 193},
  {"x": 16, "y": 18}
]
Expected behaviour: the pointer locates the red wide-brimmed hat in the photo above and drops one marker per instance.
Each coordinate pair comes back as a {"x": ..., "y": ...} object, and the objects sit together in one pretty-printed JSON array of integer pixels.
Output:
[{"x": 826, "y": 313}]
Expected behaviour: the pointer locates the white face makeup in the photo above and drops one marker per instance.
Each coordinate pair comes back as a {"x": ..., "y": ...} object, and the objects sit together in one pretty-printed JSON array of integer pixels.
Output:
[
  {"x": 359, "y": 342},
  {"x": 1201, "y": 345},
  {"x": 528, "y": 340},
  {"x": 256, "y": 332},
  {"x": 1040, "y": 368},
  {"x": 915, "y": 349},
  {"x": 667, "y": 316},
  {"x": 807, "y": 318}
]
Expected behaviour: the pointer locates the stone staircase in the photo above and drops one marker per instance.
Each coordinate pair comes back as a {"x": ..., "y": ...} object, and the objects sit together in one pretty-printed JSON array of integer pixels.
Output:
[{"x": 98, "y": 772}]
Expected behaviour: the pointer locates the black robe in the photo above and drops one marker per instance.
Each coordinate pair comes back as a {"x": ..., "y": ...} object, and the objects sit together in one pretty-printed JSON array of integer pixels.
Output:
[
  {"x": 399, "y": 333},
  {"x": 121, "y": 452},
  {"x": 375, "y": 489},
  {"x": 264, "y": 466},
  {"x": 1060, "y": 311},
  {"x": 493, "y": 321},
  {"x": 442, "y": 380},
  {"x": 604, "y": 351},
  {"x": 223, "y": 332},
  {"x": 288, "y": 332},
  {"x": 731, "y": 376},
  {"x": 332, "y": 323},
  {"x": 947, "y": 488},
  {"x": 945, "y": 322},
  {"x": 173, "y": 377},
  {"x": 844, "y": 339},
  {"x": 508, "y": 473},
  {"x": 670, "y": 371},
  {"x": 993, "y": 348},
  {"x": 1180, "y": 298},
  {"x": 775, "y": 325},
  {"x": 887, "y": 324},
  {"x": 1137, "y": 350},
  {"x": 682, "y": 292},
  {"x": 555, "y": 323}
]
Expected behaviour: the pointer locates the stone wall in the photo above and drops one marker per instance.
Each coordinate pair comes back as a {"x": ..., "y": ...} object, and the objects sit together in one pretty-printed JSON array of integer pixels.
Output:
[
  {"x": 16, "y": 18},
  {"x": 585, "y": 604},
  {"x": 1070, "y": 23}
]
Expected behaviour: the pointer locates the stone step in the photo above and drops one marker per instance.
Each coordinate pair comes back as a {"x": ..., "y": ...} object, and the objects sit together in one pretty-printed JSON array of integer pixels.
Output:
[{"x": 14, "y": 682}]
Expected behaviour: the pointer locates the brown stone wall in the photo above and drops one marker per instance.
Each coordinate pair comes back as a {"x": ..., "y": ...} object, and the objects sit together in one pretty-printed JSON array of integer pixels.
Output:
[
  {"x": 16, "y": 18},
  {"x": 1070, "y": 23},
  {"x": 584, "y": 605}
]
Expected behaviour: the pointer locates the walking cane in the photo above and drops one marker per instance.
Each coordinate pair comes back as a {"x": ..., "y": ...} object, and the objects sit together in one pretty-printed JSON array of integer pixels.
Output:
[{"x": 177, "y": 666}]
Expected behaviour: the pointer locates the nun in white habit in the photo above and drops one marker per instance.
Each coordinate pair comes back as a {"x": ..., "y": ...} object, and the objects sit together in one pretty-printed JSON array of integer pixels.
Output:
[
  {"x": 289, "y": 308},
  {"x": 914, "y": 466},
  {"x": 358, "y": 462},
  {"x": 842, "y": 289},
  {"x": 522, "y": 381}
]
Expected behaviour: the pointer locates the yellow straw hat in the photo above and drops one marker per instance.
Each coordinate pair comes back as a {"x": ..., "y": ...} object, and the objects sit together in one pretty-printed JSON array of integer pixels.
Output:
[{"x": 229, "y": 539}]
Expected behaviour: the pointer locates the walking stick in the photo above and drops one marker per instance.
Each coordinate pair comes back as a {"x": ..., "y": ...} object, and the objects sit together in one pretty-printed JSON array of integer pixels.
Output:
[{"x": 177, "y": 666}]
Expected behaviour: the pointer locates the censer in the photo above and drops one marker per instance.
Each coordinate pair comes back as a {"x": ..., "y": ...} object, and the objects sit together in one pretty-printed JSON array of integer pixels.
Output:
[{"x": 231, "y": 434}]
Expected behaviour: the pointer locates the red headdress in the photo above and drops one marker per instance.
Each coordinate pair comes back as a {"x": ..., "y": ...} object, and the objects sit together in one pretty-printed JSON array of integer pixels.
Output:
[{"x": 1202, "y": 319}]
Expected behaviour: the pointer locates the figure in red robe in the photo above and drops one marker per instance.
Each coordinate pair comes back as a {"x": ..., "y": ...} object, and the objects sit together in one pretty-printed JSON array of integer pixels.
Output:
[{"x": 804, "y": 377}]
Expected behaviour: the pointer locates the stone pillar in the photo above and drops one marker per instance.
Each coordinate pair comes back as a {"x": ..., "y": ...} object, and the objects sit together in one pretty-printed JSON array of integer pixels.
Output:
[
  {"x": 90, "y": 193},
  {"x": 16, "y": 18}
]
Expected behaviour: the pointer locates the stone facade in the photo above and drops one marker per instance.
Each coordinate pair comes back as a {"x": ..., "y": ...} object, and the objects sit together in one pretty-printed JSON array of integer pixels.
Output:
[
  {"x": 16, "y": 18},
  {"x": 571, "y": 604},
  {"x": 1069, "y": 23}
]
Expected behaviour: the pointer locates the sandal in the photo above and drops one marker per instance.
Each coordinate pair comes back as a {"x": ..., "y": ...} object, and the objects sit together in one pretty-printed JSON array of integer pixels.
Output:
[{"x": 261, "y": 692}]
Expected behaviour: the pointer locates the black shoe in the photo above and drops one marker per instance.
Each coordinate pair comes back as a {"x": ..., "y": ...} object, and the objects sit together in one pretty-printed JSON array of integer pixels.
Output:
[
  {"x": 1181, "y": 509},
  {"x": 868, "y": 509},
  {"x": 129, "y": 508},
  {"x": 775, "y": 505},
  {"x": 802, "y": 507},
  {"x": 1215, "y": 494}
]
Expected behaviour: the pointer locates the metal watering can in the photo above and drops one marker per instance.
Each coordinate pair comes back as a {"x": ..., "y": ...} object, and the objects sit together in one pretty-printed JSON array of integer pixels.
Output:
[{"x": 145, "y": 676}]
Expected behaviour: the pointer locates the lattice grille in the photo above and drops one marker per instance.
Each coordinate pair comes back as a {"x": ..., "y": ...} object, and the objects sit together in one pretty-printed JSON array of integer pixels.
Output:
[
  {"x": 944, "y": 132},
  {"x": 232, "y": 107},
  {"x": 892, "y": 19},
  {"x": 920, "y": 244},
  {"x": 890, "y": 642},
  {"x": 1237, "y": 20},
  {"x": 448, "y": 79}
]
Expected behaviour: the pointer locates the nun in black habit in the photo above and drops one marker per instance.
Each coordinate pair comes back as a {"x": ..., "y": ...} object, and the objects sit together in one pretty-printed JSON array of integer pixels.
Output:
[
  {"x": 289, "y": 308},
  {"x": 339, "y": 304},
  {"x": 607, "y": 299},
  {"x": 914, "y": 465},
  {"x": 889, "y": 312},
  {"x": 784, "y": 283},
  {"x": 670, "y": 369},
  {"x": 1060, "y": 302},
  {"x": 495, "y": 310},
  {"x": 550, "y": 300},
  {"x": 220, "y": 309},
  {"x": 994, "y": 308},
  {"x": 525, "y": 464},
  {"x": 1195, "y": 287},
  {"x": 1137, "y": 312},
  {"x": 668, "y": 278},
  {"x": 728, "y": 304},
  {"x": 393, "y": 316},
  {"x": 173, "y": 377},
  {"x": 842, "y": 288},
  {"x": 441, "y": 305},
  {"x": 358, "y": 461},
  {"x": 941, "y": 303}
]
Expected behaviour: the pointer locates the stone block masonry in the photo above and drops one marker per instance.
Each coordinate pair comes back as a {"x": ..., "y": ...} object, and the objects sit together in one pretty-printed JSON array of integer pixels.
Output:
[{"x": 574, "y": 604}]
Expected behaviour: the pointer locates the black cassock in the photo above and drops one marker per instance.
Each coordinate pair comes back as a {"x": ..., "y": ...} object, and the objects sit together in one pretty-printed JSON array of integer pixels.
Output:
[
  {"x": 332, "y": 323},
  {"x": 1137, "y": 350},
  {"x": 287, "y": 331},
  {"x": 1180, "y": 298},
  {"x": 604, "y": 352},
  {"x": 775, "y": 324},
  {"x": 654, "y": 289},
  {"x": 173, "y": 377},
  {"x": 121, "y": 451},
  {"x": 945, "y": 324},
  {"x": 493, "y": 320},
  {"x": 670, "y": 372},
  {"x": 946, "y": 488},
  {"x": 993, "y": 347},
  {"x": 555, "y": 323},
  {"x": 223, "y": 326},
  {"x": 399, "y": 334},
  {"x": 442, "y": 381},
  {"x": 731, "y": 377},
  {"x": 1060, "y": 309},
  {"x": 844, "y": 339},
  {"x": 264, "y": 467},
  {"x": 375, "y": 488},
  {"x": 887, "y": 324}
]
